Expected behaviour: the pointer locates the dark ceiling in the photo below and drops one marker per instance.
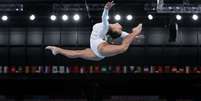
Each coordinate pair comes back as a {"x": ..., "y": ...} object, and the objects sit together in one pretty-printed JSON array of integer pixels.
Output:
[
  {"x": 124, "y": 1},
  {"x": 43, "y": 8}
]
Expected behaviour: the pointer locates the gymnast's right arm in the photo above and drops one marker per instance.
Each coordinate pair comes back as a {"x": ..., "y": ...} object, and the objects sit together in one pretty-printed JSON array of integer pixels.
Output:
[
  {"x": 107, "y": 7},
  {"x": 104, "y": 16}
]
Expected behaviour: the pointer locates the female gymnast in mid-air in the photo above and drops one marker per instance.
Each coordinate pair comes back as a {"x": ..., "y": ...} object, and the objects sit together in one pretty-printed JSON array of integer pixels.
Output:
[{"x": 99, "y": 47}]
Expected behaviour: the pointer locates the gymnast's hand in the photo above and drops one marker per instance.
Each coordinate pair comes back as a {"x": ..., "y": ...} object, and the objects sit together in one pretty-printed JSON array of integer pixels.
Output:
[{"x": 109, "y": 5}]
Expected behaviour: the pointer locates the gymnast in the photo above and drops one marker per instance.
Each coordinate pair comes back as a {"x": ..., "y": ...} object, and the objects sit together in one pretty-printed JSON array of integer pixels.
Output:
[{"x": 99, "y": 47}]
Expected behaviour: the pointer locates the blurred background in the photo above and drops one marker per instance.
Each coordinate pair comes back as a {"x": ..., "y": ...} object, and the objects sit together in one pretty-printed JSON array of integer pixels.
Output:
[{"x": 165, "y": 62}]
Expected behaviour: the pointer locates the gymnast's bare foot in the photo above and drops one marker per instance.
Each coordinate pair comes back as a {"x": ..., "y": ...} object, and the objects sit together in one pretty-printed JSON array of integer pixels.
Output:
[
  {"x": 137, "y": 30},
  {"x": 55, "y": 50}
]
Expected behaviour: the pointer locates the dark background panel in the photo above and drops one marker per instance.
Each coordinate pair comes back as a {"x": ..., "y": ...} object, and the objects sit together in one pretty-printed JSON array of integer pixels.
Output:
[
  {"x": 155, "y": 36},
  {"x": 199, "y": 43},
  {"x": 189, "y": 36},
  {"x": 171, "y": 55},
  {"x": 34, "y": 55},
  {"x": 17, "y": 56},
  {"x": 52, "y": 36},
  {"x": 69, "y": 37},
  {"x": 199, "y": 55},
  {"x": 199, "y": 36},
  {"x": 50, "y": 59},
  {"x": 188, "y": 55},
  {"x": 135, "y": 56},
  {"x": 4, "y": 33},
  {"x": 153, "y": 55},
  {"x": 84, "y": 37},
  {"x": 4, "y": 55},
  {"x": 34, "y": 36},
  {"x": 119, "y": 59},
  {"x": 17, "y": 36},
  {"x": 178, "y": 38}
]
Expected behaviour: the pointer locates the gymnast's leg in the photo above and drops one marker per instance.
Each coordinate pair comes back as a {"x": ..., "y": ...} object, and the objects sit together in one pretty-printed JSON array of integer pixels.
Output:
[
  {"x": 111, "y": 50},
  {"x": 104, "y": 48},
  {"x": 86, "y": 54}
]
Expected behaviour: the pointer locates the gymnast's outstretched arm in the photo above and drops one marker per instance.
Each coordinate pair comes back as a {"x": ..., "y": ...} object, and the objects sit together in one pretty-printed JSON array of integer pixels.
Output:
[
  {"x": 104, "y": 17},
  {"x": 107, "y": 7}
]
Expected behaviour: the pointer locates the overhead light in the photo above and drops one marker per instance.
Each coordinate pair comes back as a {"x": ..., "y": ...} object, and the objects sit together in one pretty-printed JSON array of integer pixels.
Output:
[
  {"x": 150, "y": 17},
  {"x": 117, "y": 17},
  {"x": 129, "y": 17},
  {"x": 64, "y": 17},
  {"x": 76, "y": 17},
  {"x": 195, "y": 17},
  {"x": 178, "y": 17},
  {"x": 170, "y": 8},
  {"x": 53, "y": 17},
  {"x": 4, "y": 18},
  {"x": 178, "y": 8},
  {"x": 32, "y": 17}
]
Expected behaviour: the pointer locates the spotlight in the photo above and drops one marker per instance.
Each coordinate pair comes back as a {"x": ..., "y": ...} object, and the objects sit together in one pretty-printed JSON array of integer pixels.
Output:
[
  {"x": 170, "y": 7},
  {"x": 32, "y": 17},
  {"x": 17, "y": 9},
  {"x": 129, "y": 17},
  {"x": 150, "y": 17},
  {"x": 195, "y": 17},
  {"x": 117, "y": 17},
  {"x": 178, "y": 17},
  {"x": 65, "y": 17},
  {"x": 4, "y": 18},
  {"x": 53, "y": 17},
  {"x": 178, "y": 8},
  {"x": 76, "y": 17}
]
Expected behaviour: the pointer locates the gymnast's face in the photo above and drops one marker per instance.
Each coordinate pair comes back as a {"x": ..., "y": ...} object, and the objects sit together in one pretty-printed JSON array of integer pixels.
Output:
[{"x": 116, "y": 27}]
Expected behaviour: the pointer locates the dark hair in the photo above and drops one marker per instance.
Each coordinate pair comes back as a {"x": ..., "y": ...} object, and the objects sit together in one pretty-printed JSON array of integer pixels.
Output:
[{"x": 113, "y": 34}]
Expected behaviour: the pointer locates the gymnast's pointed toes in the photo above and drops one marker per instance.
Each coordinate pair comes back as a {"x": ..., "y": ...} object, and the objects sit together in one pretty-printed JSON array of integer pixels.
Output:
[
  {"x": 140, "y": 25},
  {"x": 49, "y": 47}
]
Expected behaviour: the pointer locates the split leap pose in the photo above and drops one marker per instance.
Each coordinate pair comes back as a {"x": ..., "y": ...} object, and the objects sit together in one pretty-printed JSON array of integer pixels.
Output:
[{"x": 99, "y": 48}]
